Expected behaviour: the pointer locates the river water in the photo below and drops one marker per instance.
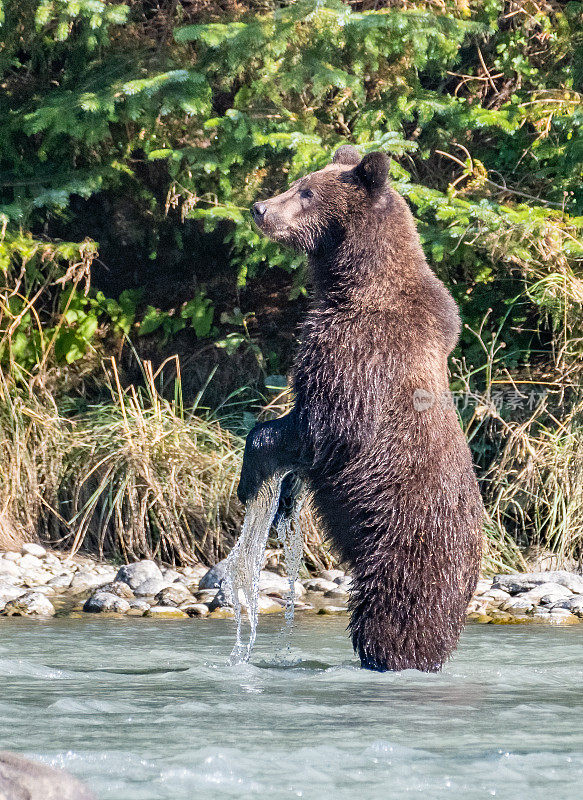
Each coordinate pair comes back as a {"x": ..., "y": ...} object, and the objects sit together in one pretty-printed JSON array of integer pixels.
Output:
[{"x": 148, "y": 710}]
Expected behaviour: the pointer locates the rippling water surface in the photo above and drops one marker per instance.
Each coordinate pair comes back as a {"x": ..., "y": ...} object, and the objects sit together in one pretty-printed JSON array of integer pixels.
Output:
[{"x": 147, "y": 710}]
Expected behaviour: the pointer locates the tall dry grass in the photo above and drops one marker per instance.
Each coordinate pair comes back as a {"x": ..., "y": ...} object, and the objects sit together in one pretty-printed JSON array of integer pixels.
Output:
[{"x": 142, "y": 478}]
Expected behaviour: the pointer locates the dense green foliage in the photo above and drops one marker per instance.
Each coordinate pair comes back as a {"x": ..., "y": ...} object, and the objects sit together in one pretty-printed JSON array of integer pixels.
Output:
[{"x": 134, "y": 137}]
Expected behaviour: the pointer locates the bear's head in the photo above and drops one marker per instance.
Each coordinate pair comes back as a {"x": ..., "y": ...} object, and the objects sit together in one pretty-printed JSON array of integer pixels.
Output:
[{"x": 320, "y": 208}]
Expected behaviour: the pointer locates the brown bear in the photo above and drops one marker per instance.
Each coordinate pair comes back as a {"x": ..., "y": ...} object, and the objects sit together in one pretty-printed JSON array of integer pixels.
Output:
[{"x": 372, "y": 430}]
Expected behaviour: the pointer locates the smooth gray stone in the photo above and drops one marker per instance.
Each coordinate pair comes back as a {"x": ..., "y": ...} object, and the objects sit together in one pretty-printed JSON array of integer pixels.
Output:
[
  {"x": 105, "y": 602},
  {"x": 118, "y": 588},
  {"x": 320, "y": 585},
  {"x": 139, "y": 572},
  {"x": 151, "y": 587},
  {"x": 84, "y": 580},
  {"x": 9, "y": 568},
  {"x": 9, "y": 592},
  {"x": 62, "y": 581},
  {"x": 22, "y": 779},
  {"x": 173, "y": 595},
  {"x": 31, "y": 604},
  {"x": 32, "y": 549},
  {"x": 172, "y": 576},
  {"x": 214, "y": 577},
  {"x": 522, "y": 582}
]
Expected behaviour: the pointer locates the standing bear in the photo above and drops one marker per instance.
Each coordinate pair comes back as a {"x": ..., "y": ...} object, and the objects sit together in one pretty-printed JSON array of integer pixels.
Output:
[{"x": 371, "y": 431}]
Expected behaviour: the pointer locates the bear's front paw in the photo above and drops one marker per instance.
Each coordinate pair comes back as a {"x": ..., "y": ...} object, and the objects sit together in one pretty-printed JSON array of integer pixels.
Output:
[
  {"x": 249, "y": 485},
  {"x": 255, "y": 462}
]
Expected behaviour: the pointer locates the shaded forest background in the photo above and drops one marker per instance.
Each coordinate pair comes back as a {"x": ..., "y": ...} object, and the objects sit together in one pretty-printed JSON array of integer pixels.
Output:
[{"x": 144, "y": 323}]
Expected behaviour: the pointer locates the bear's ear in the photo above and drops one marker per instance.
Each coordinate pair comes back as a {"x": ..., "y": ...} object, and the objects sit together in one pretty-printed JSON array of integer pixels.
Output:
[
  {"x": 373, "y": 172},
  {"x": 346, "y": 154}
]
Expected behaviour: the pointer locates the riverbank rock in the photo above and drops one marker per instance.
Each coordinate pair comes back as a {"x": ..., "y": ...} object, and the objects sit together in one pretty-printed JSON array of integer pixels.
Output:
[
  {"x": 278, "y": 585},
  {"x": 320, "y": 585},
  {"x": 333, "y": 575},
  {"x": 214, "y": 577},
  {"x": 554, "y": 597},
  {"x": 151, "y": 587},
  {"x": 31, "y": 604},
  {"x": 337, "y": 594},
  {"x": 139, "y": 605},
  {"x": 105, "y": 602},
  {"x": 138, "y": 573},
  {"x": 9, "y": 592},
  {"x": 32, "y": 549},
  {"x": 573, "y": 604},
  {"x": 166, "y": 612},
  {"x": 118, "y": 588},
  {"x": 195, "y": 609},
  {"x": 9, "y": 568},
  {"x": 84, "y": 581},
  {"x": 23, "y": 779},
  {"x": 267, "y": 605},
  {"x": 521, "y": 582},
  {"x": 173, "y": 595},
  {"x": 62, "y": 581}
]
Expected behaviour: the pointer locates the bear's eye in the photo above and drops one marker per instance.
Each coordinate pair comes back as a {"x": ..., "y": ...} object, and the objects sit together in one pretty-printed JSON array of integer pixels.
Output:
[{"x": 306, "y": 194}]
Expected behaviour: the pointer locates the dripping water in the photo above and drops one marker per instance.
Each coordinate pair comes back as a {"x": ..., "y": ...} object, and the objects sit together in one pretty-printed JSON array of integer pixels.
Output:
[{"x": 245, "y": 560}]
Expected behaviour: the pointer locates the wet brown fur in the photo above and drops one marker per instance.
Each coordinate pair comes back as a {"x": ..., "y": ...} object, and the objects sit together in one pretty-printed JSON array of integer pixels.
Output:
[{"x": 392, "y": 479}]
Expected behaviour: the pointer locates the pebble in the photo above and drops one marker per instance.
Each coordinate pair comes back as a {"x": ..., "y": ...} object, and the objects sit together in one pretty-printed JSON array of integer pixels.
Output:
[
  {"x": 172, "y": 576},
  {"x": 32, "y": 549},
  {"x": 214, "y": 577},
  {"x": 118, "y": 588},
  {"x": 517, "y": 604},
  {"x": 173, "y": 595},
  {"x": 497, "y": 594},
  {"x": 150, "y": 587},
  {"x": 8, "y": 593},
  {"x": 166, "y": 612},
  {"x": 273, "y": 584},
  {"x": 31, "y": 604},
  {"x": 9, "y": 568},
  {"x": 195, "y": 571},
  {"x": 333, "y": 575},
  {"x": 222, "y": 613},
  {"x": 575, "y": 605},
  {"x": 61, "y": 581},
  {"x": 536, "y": 594},
  {"x": 195, "y": 609},
  {"x": 85, "y": 580},
  {"x": 320, "y": 585},
  {"x": 48, "y": 591},
  {"x": 552, "y": 598},
  {"x": 139, "y": 572},
  {"x": 139, "y": 605},
  {"x": 484, "y": 585},
  {"x": 516, "y": 583},
  {"x": 267, "y": 605},
  {"x": 30, "y": 577},
  {"x": 338, "y": 594},
  {"x": 563, "y": 616},
  {"x": 479, "y": 617},
  {"x": 477, "y": 605},
  {"x": 206, "y": 596},
  {"x": 104, "y": 602},
  {"x": 29, "y": 562}
]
